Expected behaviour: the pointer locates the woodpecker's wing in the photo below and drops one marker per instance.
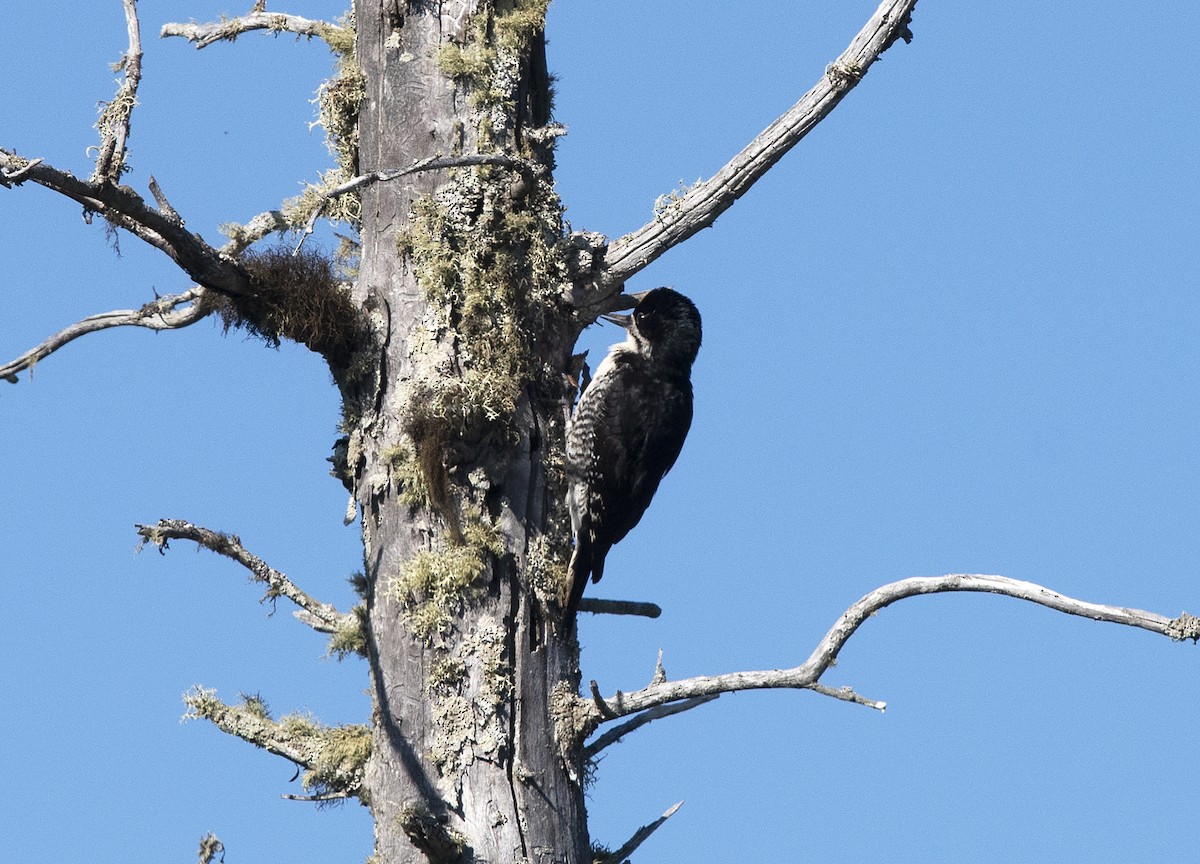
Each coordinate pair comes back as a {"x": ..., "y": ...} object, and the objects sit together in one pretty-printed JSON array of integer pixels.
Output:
[{"x": 628, "y": 430}]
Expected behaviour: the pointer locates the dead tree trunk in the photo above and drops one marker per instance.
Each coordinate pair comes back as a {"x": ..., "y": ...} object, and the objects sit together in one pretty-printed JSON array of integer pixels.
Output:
[{"x": 454, "y": 410}]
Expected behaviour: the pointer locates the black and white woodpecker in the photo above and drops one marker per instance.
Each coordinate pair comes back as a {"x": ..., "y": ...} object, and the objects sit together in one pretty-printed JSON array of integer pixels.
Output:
[{"x": 628, "y": 427}]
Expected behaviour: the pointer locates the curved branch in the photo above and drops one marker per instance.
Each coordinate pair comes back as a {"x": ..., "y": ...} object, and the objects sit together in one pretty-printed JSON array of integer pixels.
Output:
[
  {"x": 124, "y": 208},
  {"x": 700, "y": 206},
  {"x": 320, "y": 616},
  {"x": 807, "y": 675},
  {"x": 206, "y": 34},
  {"x": 114, "y": 118},
  {"x": 162, "y": 313}
]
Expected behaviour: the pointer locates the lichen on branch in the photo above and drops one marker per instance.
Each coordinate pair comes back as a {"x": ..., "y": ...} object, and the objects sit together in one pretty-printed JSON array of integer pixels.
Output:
[{"x": 335, "y": 756}]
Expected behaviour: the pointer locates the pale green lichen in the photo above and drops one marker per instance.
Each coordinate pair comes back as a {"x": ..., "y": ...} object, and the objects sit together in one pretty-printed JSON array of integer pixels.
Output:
[
  {"x": 334, "y": 755},
  {"x": 434, "y": 585},
  {"x": 545, "y": 570},
  {"x": 347, "y": 208},
  {"x": 664, "y": 203},
  {"x": 339, "y": 98},
  {"x": 471, "y": 726},
  {"x": 351, "y": 634},
  {"x": 338, "y": 753},
  {"x": 492, "y": 274},
  {"x": 490, "y": 61},
  {"x": 405, "y": 470}
]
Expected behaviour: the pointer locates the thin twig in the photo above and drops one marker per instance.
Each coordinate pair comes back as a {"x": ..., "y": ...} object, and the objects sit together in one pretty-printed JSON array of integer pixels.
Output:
[
  {"x": 162, "y": 313},
  {"x": 206, "y": 34},
  {"x": 615, "y": 734},
  {"x": 807, "y": 675},
  {"x": 326, "y": 796},
  {"x": 700, "y": 206},
  {"x": 320, "y": 616},
  {"x": 639, "y": 837}
]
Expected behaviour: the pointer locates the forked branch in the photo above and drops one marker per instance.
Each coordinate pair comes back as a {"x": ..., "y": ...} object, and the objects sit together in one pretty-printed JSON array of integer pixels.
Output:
[
  {"x": 320, "y": 616},
  {"x": 163, "y": 313},
  {"x": 700, "y": 206},
  {"x": 807, "y": 675}
]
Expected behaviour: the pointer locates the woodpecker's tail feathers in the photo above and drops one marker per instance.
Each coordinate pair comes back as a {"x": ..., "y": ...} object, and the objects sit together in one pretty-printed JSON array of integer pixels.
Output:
[{"x": 587, "y": 560}]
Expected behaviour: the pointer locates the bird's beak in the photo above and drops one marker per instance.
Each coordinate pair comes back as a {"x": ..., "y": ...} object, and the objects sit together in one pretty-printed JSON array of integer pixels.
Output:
[{"x": 625, "y": 320}]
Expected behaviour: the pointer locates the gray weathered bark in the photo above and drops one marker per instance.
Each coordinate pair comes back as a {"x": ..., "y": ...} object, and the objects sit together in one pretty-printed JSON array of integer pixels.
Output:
[{"x": 466, "y": 763}]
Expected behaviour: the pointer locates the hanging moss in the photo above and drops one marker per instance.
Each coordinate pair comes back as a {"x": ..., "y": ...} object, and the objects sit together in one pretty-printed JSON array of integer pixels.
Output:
[{"x": 296, "y": 297}]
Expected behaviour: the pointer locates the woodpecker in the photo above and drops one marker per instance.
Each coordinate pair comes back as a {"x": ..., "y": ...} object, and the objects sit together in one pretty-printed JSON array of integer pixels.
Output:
[{"x": 628, "y": 427}]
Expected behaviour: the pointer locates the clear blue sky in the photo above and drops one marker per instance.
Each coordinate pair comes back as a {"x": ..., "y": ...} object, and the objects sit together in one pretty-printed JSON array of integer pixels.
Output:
[{"x": 954, "y": 330}]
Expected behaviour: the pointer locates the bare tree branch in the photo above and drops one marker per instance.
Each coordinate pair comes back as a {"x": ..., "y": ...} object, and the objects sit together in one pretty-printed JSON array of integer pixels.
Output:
[
  {"x": 619, "y": 607},
  {"x": 615, "y": 734},
  {"x": 103, "y": 194},
  {"x": 16, "y": 176},
  {"x": 320, "y": 798},
  {"x": 114, "y": 119},
  {"x": 639, "y": 837},
  {"x": 700, "y": 206},
  {"x": 206, "y": 34},
  {"x": 162, "y": 313},
  {"x": 334, "y": 755},
  {"x": 807, "y": 675},
  {"x": 320, "y": 616},
  {"x": 124, "y": 208}
]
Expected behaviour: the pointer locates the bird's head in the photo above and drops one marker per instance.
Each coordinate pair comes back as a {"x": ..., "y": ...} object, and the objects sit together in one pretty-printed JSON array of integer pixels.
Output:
[{"x": 664, "y": 326}]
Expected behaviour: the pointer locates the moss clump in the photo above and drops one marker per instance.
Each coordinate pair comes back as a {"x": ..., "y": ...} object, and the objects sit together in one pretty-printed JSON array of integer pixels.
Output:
[
  {"x": 296, "y": 297},
  {"x": 434, "y": 585},
  {"x": 405, "y": 469},
  {"x": 351, "y": 635}
]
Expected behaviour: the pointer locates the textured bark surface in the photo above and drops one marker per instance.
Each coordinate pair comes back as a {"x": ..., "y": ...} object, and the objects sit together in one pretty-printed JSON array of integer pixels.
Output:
[{"x": 462, "y": 769}]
